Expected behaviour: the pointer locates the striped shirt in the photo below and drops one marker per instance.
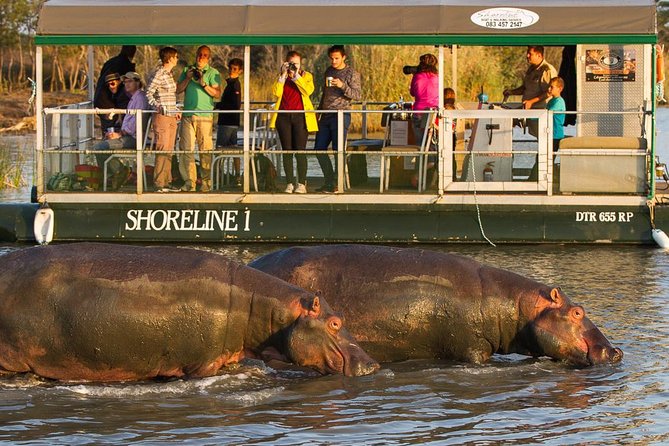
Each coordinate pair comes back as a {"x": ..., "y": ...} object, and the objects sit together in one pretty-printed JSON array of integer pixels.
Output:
[{"x": 162, "y": 91}]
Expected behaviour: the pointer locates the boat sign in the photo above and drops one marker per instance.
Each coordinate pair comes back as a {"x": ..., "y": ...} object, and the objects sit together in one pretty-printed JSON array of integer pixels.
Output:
[
  {"x": 187, "y": 220},
  {"x": 605, "y": 216},
  {"x": 505, "y": 18}
]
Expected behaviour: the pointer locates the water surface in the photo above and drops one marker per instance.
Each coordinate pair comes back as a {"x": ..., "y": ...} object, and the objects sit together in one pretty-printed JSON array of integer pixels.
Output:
[{"x": 510, "y": 400}]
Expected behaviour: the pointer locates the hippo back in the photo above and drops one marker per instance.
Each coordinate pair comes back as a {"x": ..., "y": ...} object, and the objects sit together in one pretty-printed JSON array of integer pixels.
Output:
[{"x": 406, "y": 303}]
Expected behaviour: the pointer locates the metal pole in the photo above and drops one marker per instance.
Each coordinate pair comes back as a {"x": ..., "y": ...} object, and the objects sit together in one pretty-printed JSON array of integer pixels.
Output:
[
  {"x": 441, "y": 76},
  {"x": 340, "y": 150},
  {"x": 454, "y": 69},
  {"x": 91, "y": 89},
  {"x": 139, "y": 118},
  {"x": 364, "y": 120},
  {"x": 247, "y": 118},
  {"x": 440, "y": 130},
  {"x": 39, "y": 122}
]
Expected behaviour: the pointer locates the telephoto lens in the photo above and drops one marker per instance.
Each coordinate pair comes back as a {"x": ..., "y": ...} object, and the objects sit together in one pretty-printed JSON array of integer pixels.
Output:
[{"x": 410, "y": 69}]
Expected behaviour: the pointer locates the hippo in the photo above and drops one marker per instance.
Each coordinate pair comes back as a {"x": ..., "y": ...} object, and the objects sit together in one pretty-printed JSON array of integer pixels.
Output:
[
  {"x": 407, "y": 303},
  {"x": 110, "y": 312}
]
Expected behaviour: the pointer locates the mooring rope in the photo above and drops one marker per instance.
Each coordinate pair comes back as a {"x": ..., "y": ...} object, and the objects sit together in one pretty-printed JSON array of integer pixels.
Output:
[
  {"x": 651, "y": 209},
  {"x": 476, "y": 202}
]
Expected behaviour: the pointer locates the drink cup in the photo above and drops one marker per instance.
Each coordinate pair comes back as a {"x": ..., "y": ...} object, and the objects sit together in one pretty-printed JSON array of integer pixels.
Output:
[{"x": 328, "y": 81}]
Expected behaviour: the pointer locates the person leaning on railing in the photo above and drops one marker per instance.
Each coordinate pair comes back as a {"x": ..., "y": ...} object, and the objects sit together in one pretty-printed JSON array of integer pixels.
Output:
[
  {"x": 126, "y": 137},
  {"x": 161, "y": 95},
  {"x": 292, "y": 91}
]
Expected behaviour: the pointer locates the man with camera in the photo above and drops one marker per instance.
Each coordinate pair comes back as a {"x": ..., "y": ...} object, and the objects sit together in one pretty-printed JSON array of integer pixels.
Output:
[{"x": 202, "y": 85}]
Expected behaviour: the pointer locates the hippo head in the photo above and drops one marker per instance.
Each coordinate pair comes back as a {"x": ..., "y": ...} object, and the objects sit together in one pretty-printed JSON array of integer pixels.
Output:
[
  {"x": 321, "y": 343},
  {"x": 562, "y": 331}
]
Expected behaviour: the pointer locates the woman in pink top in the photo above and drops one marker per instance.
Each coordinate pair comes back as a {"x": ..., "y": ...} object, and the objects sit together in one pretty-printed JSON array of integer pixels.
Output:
[{"x": 425, "y": 90}]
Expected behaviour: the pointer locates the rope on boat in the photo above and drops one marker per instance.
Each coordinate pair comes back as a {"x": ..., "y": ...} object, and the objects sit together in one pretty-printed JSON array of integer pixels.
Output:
[
  {"x": 651, "y": 209},
  {"x": 476, "y": 202}
]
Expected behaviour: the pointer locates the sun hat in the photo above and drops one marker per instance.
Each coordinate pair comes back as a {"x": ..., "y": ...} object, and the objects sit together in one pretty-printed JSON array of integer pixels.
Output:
[
  {"x": 112, "y": 77},
  {"x": 131, "y": 75}
]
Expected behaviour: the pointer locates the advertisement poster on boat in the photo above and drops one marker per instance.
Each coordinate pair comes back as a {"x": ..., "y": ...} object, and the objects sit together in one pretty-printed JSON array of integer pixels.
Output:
[{"x": 610, "y": 65}]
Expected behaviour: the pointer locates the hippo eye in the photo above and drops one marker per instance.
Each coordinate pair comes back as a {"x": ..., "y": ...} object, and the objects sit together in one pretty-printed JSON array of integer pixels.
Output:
[
  {"x": 334, "y": 323},
  {"x": 577, "y": 313}
]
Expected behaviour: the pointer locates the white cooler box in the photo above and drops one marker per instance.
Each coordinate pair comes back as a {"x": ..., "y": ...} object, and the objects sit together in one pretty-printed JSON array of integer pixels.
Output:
[{"x": 604, "y": 164}]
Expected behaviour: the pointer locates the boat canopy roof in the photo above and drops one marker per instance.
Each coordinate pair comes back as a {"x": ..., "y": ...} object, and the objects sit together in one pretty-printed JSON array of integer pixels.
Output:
[{"x": 483, "y": 22}]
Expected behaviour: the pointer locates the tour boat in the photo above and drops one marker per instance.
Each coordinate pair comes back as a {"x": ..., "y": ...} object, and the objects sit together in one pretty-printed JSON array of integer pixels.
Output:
[{"x": 495, "y": 179}]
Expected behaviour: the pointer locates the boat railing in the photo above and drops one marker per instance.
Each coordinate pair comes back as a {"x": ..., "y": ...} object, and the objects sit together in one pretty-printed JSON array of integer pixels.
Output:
[{"x": 469, "y": 151}]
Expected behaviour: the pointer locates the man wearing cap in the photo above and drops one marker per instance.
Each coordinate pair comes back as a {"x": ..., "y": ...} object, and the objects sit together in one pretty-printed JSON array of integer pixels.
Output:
[
  {"x": 111, "y": 96},
  {"x": 105, "y": 96},
  {"x": 125, "y": 138},
  {"x": 202, "y": 85}
]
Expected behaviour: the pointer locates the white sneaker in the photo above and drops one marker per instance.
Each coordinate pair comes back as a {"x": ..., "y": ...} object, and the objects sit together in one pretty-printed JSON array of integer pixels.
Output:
[
  {"x": 301, "y": 189},
  {"x": 290, "y": 188}
]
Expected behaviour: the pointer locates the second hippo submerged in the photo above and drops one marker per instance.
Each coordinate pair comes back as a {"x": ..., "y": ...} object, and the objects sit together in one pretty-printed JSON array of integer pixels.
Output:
[
  {"x": 102, "y": 312},
  {"x": 405, "y": 303}
]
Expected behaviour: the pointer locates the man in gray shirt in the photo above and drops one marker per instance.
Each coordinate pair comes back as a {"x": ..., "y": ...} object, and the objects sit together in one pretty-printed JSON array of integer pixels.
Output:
[{"x": 342, "y": 85}]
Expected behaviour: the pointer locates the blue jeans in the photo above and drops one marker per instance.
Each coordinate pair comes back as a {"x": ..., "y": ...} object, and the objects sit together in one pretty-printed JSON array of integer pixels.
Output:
[
  {"x": 327, "y": 133},
  {"x": 124, "y": 142},
  {"x": 226, "y": 135}
]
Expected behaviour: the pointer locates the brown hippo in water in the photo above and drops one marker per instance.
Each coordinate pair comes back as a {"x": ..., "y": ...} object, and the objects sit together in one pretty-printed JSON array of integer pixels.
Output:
[
  {"x": 102, "y": 312},
  {"x": 411, "y": 304}
]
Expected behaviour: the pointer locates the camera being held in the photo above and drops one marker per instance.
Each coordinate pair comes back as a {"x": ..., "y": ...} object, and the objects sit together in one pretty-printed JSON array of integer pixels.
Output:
[
  {"x": 292, "y": 67},
  {"x": 410, "y": 69},
  {"x": 196, "y": 73}
]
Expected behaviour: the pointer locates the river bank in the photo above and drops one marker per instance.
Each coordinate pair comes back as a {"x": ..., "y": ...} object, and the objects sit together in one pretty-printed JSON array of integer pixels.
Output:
[{"x": 16, "y": 111}]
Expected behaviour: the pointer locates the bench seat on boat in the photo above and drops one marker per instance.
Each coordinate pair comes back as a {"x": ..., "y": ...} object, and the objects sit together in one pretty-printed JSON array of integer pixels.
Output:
[{"x": 603, "y": 164}]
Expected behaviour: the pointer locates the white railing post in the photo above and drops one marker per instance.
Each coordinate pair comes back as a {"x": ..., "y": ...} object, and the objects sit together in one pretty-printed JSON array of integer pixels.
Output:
[
  {"x": 340, "y": 150},
  {"x": 39, "y": 122},
  {"x": 139, "y": 133},
  {"x": 247, "y": 118},
  {"x": 364, "y": 120},
  {"x": 446, "y": 155}
]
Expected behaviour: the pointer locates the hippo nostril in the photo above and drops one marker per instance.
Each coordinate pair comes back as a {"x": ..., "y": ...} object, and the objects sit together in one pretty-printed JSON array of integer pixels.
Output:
[
  {"x": 366, "y": 368},
  {"x": 616, "y": 355}
]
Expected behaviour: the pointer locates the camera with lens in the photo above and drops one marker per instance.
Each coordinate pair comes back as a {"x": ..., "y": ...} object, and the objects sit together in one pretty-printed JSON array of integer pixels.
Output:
[
  {"x": 292, "y": 67},
  {"x": 410, "y": 69},
  {"x": 197, "y": 73}
]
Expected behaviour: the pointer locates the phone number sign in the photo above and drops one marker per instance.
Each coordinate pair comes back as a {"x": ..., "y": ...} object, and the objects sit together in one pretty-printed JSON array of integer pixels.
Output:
[{"x": 505, "y": 18}]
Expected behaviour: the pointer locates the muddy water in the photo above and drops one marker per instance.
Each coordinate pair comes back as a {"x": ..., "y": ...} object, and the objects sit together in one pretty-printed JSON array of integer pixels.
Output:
[{"x": 510, "y": 400}]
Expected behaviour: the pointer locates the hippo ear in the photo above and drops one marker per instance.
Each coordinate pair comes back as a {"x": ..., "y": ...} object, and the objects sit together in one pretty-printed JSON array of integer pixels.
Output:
[
  {"x": 556, "y": 296},
  {"x": 315, "y": 305}
]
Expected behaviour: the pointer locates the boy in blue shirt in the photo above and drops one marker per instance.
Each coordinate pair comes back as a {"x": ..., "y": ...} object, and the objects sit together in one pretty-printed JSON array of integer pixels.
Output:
[{"x": 556, "y": 103}]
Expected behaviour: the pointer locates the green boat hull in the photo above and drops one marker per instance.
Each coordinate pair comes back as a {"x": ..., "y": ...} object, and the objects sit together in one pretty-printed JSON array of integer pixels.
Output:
[{"x": 206, "y": 222}]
